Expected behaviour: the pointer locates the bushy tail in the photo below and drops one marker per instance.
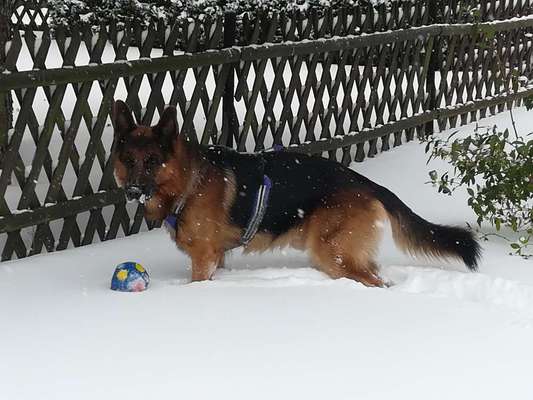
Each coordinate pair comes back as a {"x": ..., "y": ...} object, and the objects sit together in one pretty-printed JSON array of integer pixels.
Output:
[{"x": 415, "y": 235}]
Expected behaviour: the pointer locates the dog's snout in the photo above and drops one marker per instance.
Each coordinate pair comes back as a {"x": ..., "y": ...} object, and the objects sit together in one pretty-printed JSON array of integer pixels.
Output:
[{"x": 133, "y": 192}]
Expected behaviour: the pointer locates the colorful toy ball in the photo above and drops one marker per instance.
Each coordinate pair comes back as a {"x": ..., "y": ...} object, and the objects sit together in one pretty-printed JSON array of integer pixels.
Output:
[{"x": 130, "y": 277}]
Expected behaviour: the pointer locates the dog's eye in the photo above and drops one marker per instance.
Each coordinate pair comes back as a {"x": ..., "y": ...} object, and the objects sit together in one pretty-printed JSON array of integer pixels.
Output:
[
  {"x": 129, "y": 161},
  {"x": 151, "y": 161}
]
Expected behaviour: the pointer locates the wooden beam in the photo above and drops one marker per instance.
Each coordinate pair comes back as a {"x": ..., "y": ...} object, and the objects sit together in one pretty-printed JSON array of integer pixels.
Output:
[{"x": 56, "y": 211}]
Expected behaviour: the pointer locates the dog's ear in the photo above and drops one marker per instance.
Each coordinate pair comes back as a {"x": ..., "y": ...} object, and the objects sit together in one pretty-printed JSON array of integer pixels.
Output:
[
  {"x": 167, "y": 127},
  {"x": 122, "y": 119}
]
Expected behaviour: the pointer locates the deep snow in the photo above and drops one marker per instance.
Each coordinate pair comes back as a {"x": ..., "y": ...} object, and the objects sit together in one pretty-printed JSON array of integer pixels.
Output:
[{"x": 270, "y": 327}]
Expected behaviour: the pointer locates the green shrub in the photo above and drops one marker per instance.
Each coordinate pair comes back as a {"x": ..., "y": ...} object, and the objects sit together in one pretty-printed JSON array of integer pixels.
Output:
[{"x": 497, "y": 170}]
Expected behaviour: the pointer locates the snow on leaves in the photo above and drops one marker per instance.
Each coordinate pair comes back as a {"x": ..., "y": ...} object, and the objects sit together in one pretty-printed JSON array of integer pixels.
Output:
[{"x": 69, "y": 13}]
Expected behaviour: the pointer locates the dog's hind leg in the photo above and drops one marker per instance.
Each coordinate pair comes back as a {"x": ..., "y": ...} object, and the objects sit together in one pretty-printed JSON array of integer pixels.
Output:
[
  {"x": 342, "y": 239},
  {"x": 337, "y": 263}
]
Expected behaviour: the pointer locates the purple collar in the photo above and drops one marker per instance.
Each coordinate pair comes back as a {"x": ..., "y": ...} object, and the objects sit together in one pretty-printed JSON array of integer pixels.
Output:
[{"x": 172, "y": 221}]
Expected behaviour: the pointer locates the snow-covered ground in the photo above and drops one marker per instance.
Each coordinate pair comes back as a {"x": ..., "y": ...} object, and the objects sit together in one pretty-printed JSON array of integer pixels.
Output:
[{"x": 270, "y": 327}]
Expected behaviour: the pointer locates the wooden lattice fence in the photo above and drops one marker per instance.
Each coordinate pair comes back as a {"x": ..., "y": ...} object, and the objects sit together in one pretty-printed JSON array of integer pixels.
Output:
[{"x": 345, "y": 98}]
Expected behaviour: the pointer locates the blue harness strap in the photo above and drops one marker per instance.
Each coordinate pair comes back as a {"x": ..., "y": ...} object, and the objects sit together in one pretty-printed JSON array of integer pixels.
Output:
[{"x": 260, "y": 206}]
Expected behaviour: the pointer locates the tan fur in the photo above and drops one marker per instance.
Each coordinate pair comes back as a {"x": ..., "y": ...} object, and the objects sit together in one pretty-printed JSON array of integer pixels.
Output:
[
  {"x": 230, "y": 190},
  {"x": 119, "y": 171},
  {"x": 262, "y": 242},
  {"x": 343, "y": 236},
  {"x": 400, "y": 238}
]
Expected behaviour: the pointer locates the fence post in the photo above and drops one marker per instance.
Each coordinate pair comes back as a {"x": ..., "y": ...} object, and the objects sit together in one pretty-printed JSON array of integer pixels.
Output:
[
  {"x": 230, "y": 125},
  {"x": 6, "y": 103},
  {"x": 431, "y": 89}
]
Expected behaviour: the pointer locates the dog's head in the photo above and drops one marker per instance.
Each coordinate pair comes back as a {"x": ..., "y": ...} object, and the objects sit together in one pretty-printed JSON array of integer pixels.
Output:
[{"x": 141, "y": 152}]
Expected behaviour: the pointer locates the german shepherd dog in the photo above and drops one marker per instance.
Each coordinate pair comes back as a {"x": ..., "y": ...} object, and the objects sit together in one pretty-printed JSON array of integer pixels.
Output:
[{"x": 215, "y": 200}]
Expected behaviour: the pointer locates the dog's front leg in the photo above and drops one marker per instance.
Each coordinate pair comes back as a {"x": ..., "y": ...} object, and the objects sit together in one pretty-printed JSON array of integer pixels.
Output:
[{"x": 205, "y": 260}]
